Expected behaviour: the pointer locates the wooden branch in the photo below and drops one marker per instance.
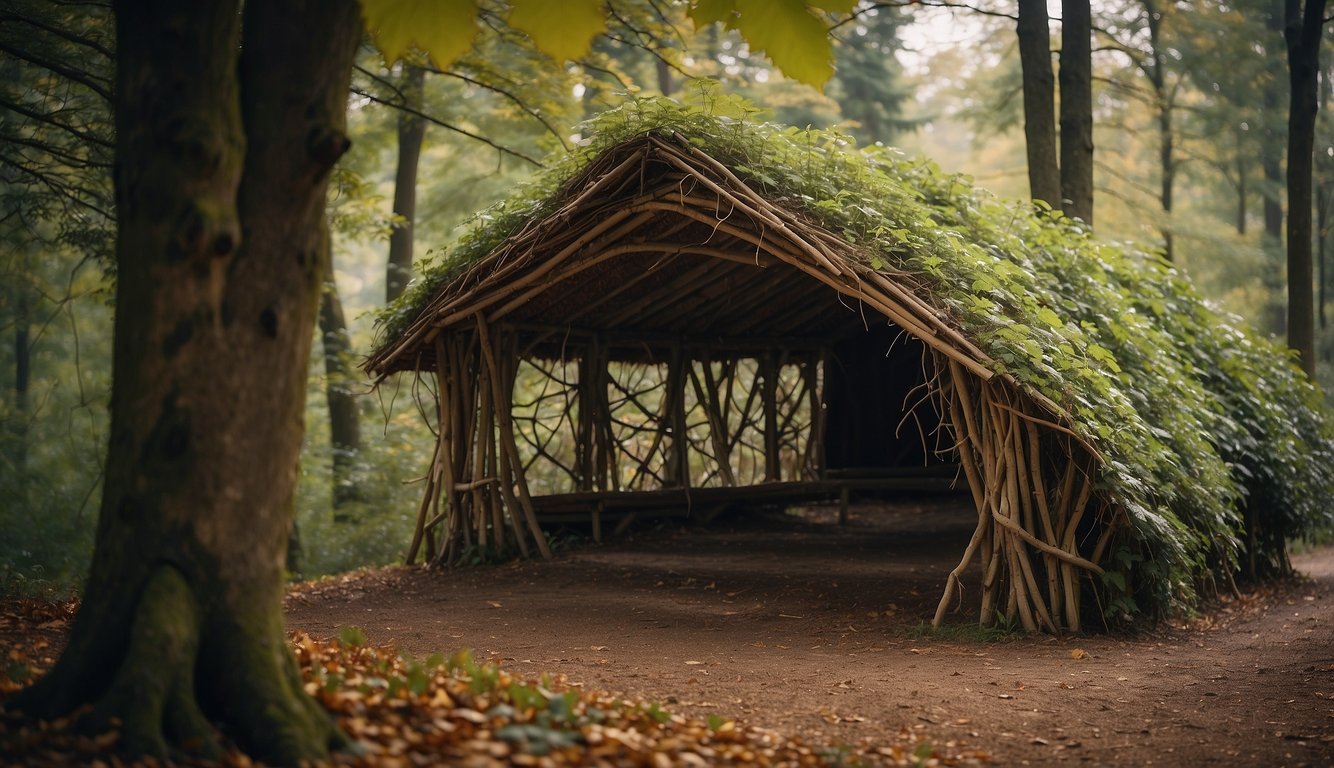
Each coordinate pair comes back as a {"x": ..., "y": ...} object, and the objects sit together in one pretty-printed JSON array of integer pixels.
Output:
[{"x": 507, "y": 439}]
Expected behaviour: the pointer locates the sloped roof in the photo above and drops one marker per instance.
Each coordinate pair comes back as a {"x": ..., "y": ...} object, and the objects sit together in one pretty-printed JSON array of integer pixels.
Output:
[
  {"x": 675, "y": 223},
  {"x": 656, "y": 242}
]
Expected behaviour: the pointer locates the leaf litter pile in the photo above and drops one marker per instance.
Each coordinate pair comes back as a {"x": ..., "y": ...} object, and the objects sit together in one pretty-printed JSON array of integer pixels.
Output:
[{"x": 449, "y": 710}]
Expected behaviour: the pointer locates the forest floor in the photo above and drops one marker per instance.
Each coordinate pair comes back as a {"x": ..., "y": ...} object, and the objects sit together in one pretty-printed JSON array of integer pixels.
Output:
[{"x": 797, "y": 624}]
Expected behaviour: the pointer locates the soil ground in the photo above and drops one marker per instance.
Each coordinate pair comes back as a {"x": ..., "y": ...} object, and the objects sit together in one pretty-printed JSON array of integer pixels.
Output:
[{"x": 801, "y": 625}]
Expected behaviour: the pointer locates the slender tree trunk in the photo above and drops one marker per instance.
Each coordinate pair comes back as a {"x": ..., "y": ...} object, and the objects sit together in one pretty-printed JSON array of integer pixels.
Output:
[
  {"x": 14, "y": 460},
  {"x": 1167, "y": 169},
  {"x": 1157, "y": 72},
  {"x": 1271, "y": 161},
  {"x": 1321, "y": 240},
  {"x": 1302, "y": 32},
  {"x": 1323, "y": 167},
  {"x": 1044, "y": 176},
  {"x": 181, "y": 620},
  {"x": 1272, "y": 166},
  {"x": 411, "y": 132},
  {"x": 666, "y": 85},
  {"x": 344, "y": 415},
  {"x": 1076, "y": 81},
  {"x": 1241, "y": 186}
]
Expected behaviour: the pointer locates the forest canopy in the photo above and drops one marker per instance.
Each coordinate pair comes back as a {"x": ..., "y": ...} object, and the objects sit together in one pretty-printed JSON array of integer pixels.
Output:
[{"x": 1211, "y": 440}]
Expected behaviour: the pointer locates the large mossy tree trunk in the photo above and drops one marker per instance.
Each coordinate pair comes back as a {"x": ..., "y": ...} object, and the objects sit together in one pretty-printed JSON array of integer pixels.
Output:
[{"x": 222, "y": 156}]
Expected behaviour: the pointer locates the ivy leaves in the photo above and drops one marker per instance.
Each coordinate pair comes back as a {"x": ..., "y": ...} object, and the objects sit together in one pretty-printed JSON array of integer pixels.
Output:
[{"x": 793, "y": 33}]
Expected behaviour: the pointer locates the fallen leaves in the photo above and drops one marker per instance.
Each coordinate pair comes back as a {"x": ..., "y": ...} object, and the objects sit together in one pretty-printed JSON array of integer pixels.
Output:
[
  {"x": 478, "y": 713},
  {"x": 456, "y": 710}
]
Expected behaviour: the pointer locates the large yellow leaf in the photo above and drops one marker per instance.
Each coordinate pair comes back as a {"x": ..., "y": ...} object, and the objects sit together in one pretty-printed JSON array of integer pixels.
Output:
[
  {"x": 562, "y": 29},
  {"x": 792, "y": 36},
  {"x": 443, "y": 29},
  {"x": 705, "y": 12}
]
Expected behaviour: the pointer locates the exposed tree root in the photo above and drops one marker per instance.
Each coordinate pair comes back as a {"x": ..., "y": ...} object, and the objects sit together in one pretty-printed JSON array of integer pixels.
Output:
[
  {"x": 152, "y": 694},
  {"x": 179, "y": 671},
  {"x": 272, "y": 716}
]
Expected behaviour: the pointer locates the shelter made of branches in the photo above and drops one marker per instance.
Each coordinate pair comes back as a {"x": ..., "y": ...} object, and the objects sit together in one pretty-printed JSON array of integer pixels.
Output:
[{"x": 668, "y": 318}]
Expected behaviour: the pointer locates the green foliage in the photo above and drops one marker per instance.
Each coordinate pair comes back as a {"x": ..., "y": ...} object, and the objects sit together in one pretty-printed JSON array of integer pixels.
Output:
[
  {"x": 374, "y": 526},
  {"x": 53, "y": 427},
  {"x": 792, "y": 32},
  {"x": 1193, "y": 416}
]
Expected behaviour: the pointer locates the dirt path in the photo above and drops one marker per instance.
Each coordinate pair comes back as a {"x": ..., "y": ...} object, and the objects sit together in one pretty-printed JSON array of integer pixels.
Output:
[{"x": 809, "y": 628}]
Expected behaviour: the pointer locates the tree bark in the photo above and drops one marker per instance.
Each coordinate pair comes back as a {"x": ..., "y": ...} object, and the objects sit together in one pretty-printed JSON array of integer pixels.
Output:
[
  {"x": 339, "y": 375},
  {"x": 1076, "y": 81},
  {"x": 666, "y": 85},
  {"x": 1241, "y": 186},
  {"x": 1321, "y": 245},
  {"x": 1157, "y": 72},
  {"x": 181, "y": 620},
  {"x": 411, "y": 132},
  {"x": 1271, "y": 158},
  {"x": 1044, "y": 175},
  {"x": 1302, "y": 31}
]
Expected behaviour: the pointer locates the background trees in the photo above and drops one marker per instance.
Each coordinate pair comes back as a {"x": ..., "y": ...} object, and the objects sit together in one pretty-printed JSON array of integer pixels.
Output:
[
  {"x": 56, "y": 229},
  {"x": 1188, "y": 114},
  {"x": 1186, "y": 105}
]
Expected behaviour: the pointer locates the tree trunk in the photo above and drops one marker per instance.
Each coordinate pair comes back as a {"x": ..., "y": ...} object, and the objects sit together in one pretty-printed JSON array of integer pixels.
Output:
[
  {"x": 1076, "y": 81},
  {"x": 411, "y": 132},
  {"x": 666, "y": 85},
  {"x": 1044, "y": 176},
  {"x": 1241, "y": 186},
  {"x": 1302, "y": 32},
  {"x": 1271, "y": 161},
  {"x": 1321, "y": 241},
  {"x": 1167, "y": 168},
  {"x": 1158, "y": 77},
  {"x": 14, "y": 460},
  {"x": 339, "y": 375},
  {"x": 181, "y": 620}
]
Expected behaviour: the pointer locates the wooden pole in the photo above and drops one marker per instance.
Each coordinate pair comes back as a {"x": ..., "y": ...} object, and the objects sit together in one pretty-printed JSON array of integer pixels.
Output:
[
  {"x": 678, "y": 473},
  {"x": 507, "y": 437},
  {"x": 769, "y": 401}
]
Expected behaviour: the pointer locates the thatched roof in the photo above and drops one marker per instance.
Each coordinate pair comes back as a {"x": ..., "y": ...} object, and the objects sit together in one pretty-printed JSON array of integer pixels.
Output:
[{"x": 674, "y": 224}]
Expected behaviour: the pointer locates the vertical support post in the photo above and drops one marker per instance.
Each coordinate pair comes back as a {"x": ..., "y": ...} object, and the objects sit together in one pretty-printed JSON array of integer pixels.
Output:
[
  {"x": 769, "y": 401},
  {"x": 678, "y": 466},
  {"x": 607, "y": 477},
  {"x": 812, "y": 465},
  {"x": 584, "y": 439},
  {"x": 507, "y": 443}
]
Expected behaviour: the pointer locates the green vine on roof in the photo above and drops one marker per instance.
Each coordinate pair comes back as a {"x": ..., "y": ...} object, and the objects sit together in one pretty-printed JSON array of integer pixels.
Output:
[{"x": 1200, "y": 424}]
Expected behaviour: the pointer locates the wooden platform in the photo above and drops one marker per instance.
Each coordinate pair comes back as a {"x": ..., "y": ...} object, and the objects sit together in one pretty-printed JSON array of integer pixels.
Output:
[{"x": 625, "y": 506}]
